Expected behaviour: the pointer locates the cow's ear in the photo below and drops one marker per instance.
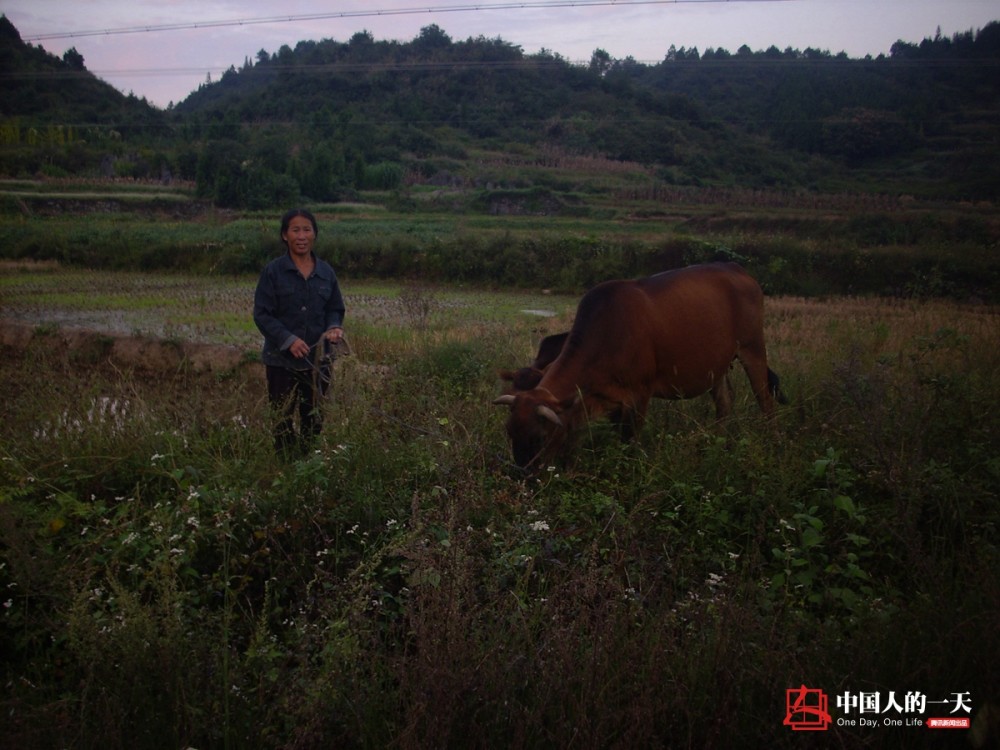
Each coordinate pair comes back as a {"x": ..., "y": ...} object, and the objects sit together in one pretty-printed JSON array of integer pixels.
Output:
[{"x": 527, "y": 378}]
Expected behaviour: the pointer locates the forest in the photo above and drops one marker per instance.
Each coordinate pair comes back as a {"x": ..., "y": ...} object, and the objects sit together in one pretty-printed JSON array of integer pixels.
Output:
[{"x": 394, "y": 116}]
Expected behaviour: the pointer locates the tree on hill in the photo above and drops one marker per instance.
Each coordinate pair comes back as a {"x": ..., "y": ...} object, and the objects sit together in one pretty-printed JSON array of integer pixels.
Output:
[{"x": 73, "y": 59}]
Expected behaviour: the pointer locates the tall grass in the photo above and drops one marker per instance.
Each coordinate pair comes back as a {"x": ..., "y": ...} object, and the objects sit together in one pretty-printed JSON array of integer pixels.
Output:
[{"x": 169, "y": 582}]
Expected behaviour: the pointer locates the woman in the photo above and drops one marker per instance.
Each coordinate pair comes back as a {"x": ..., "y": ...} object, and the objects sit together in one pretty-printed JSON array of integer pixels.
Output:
[{"x": 300, "y": 310}]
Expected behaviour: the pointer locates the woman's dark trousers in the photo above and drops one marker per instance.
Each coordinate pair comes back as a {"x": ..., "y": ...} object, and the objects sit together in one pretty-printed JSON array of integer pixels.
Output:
[{"x": 301, "y": 391}]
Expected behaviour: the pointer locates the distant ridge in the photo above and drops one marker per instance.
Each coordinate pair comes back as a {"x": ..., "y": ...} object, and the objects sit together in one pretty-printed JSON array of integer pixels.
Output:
[{"x": 327, "y": 119}]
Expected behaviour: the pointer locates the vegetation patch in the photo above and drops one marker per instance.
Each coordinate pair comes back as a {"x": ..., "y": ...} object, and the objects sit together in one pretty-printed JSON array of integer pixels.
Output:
[{"x": 169, "y": 575}]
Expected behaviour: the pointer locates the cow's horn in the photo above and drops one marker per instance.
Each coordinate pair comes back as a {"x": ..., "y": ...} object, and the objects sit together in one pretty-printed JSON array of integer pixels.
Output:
[
  {"x": 545, "y": 411},
  {"x": 505, "y": 400}
]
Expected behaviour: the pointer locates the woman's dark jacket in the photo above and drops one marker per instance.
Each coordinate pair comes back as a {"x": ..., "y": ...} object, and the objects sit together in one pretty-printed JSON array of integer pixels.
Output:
[{"x": 287, "y": 306}]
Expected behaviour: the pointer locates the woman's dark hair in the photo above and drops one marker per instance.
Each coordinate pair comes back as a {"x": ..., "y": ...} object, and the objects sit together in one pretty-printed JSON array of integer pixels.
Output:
[{"x": 289, "y": 215}]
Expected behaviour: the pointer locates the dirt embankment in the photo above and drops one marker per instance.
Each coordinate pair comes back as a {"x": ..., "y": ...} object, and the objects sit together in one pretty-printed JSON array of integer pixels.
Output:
[{"x": 93, "y": 347}]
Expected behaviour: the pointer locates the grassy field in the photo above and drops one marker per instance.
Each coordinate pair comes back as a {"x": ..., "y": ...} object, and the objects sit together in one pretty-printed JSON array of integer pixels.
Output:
[
  {"x": 794, "y": 244},
  {"x": 214, "y": 309},
  {"x": 169, "y": 582}
]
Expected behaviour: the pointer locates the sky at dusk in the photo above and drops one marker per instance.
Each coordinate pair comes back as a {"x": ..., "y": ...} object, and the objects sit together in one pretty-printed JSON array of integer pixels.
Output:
[{"x": 165, "y": 65}]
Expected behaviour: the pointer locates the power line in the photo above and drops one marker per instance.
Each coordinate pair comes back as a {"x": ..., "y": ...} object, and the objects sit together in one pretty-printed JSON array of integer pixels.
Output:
[{"x": 531, "y": 5}]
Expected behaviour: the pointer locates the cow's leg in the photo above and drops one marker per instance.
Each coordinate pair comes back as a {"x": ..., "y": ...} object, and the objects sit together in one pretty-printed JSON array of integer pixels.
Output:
[
  {"x": 723, "y": 393},
  {"x": 630, "y": 418},
  {"x": 754, "y": 361}
]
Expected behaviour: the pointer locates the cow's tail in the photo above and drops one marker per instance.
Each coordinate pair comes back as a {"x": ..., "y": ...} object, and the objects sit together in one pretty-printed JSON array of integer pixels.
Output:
[{"x": 774, "y": 383}]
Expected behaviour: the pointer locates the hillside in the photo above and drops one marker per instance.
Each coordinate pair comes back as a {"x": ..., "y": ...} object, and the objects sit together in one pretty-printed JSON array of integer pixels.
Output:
[
  {"x": 327, "y": 120},
  {"x": 927, "y": 112},
  {"x": 57, "y": 118}
]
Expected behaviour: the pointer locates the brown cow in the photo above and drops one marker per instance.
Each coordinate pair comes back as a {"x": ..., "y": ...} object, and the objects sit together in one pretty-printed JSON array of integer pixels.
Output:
[{"x": 673, "y": 335}]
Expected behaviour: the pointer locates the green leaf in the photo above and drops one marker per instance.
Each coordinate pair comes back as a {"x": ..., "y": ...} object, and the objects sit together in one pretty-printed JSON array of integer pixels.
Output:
[
  {"x": 811, "y": 537},
  {"x": 844, "y": 503}
]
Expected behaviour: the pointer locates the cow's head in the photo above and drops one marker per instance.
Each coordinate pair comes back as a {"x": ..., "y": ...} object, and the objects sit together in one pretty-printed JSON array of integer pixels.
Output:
[{"x": 536, "y": 426}]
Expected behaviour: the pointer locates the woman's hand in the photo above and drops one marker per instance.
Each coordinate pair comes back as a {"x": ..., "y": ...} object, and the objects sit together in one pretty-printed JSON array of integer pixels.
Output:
[
  {"x": 334, "y": 335},
  {"x": 299, "y": 349}
]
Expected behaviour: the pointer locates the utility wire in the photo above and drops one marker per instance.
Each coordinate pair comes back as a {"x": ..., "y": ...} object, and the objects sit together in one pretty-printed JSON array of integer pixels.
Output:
[{"x": 532, "y": 5}]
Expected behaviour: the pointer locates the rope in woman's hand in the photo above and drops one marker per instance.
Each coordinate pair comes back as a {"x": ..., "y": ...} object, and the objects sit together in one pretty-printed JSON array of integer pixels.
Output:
[{"x": 319, "y": 356}]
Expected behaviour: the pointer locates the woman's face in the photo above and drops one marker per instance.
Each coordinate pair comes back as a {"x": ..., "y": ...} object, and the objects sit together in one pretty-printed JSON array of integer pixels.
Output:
[{"x": 300, "y": 236}]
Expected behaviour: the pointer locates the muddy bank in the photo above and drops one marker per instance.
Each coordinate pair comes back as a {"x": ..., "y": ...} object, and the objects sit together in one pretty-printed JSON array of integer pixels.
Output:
[{"x": 136, "y": 352}]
